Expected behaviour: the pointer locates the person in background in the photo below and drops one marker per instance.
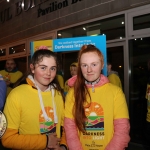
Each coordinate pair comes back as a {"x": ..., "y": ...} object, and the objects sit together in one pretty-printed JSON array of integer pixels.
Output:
[
  {"x": 10, "y": 74},
  {"x": 35, "y": 111},
  {"x": 73, "y": 72},
  {"x": 113, "y": 76},
  {"x": 96, "y": 113},
  {"x": 3, "y": 89},
  {"x": 60, "y": 80}
]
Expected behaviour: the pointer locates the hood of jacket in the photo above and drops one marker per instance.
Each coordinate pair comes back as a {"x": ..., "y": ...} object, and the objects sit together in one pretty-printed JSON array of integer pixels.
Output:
[
  {"x": 113, "y": 72},
  {"x": 103, "y": 80},
  {"x": 30, "y": 81}
]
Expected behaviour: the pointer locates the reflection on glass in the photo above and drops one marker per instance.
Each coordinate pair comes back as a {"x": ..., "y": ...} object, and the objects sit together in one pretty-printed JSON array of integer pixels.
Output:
[
  {"x": 113, "y": 28},
  {"x": 2, "y": 52},
  {"x": 68, "y": 58},
  {"x": 117, "y": 64},
  {"x": 17, "y": 49},
  {"x": 141, "y": 22},
  {"x": 2, "y": 64},
  {"x": 139, "y": 50},
  {"x": 21, "y": 63}
]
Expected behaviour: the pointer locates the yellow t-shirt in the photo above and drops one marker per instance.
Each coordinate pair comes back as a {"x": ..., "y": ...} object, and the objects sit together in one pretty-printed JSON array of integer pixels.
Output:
[
  {"x": 114, "y": 79},
  {"x": 13, "y": 76},
  {"x": 148, "y": 103},
  {"x": 23, "y": 111},
  {"x": 60, "y": 80},
  {"x": 108, "y": 103},
  {"x": 66, "y": 88}
]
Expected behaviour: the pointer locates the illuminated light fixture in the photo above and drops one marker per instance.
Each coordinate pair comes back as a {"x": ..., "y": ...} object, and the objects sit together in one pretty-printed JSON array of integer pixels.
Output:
[
  {"x": 141, "y": 39},
  {"x": 24, "y": 49},
  {"x": 14, "y": 52},
  {"x": 135, "y": 39},
  {"x": 84, "y": 28},
  {"x": 120, "y": 66},
  {"x": 22, "y": 4},
  {"x": 122, "y": 22},
  {"x": 12, "y": 48},
  {"x": 103, "y": 34},
  {"x": 94, "y": 35},
  {"x": 120, "y": 37},
  {"x": 59, "y": 34},
  {"x": 7, "y": 0},
  {"x": 130, "y": 71}
]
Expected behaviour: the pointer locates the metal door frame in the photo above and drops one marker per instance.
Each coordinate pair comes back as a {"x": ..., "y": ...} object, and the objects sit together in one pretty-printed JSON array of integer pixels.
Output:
[{"x": 126, "y": 66}]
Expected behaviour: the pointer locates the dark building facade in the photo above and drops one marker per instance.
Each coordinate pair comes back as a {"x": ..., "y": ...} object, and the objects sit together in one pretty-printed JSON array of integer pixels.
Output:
[{"x": 126, "y": 24}]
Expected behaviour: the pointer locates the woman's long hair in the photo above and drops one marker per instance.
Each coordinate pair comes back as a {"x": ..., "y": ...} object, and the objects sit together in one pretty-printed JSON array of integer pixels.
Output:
[{"x": 80, "y": 89}]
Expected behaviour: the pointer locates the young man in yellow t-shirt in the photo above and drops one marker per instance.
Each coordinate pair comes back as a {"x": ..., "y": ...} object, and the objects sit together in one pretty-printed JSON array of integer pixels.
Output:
[
  {"x": 113, "y": 76},
  {"x": 10, "y": 74}
]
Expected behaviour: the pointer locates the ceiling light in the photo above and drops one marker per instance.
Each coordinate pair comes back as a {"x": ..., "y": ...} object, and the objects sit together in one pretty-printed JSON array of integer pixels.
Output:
[
  {"x": 120, "y": 37},
  {"x": 141, "y": 39},
  {"x": 59, "y": 34},
  {"x": 84, "y": 28},
  {"x": 122, "y": 22},
  {"x": 7, "y": 0},
  {"x": 135, "y": 39},
  {"x": 94, "y": 35}
]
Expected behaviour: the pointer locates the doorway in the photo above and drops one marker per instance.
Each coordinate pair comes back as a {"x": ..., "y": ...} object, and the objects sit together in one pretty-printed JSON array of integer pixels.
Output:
[{"x": 116, "y": 55}]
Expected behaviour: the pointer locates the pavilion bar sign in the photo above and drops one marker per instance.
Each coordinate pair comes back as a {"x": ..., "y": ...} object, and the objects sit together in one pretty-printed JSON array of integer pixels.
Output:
[
  {"x": 53, "y": 6},
  {"x": 25, "y": 5}
]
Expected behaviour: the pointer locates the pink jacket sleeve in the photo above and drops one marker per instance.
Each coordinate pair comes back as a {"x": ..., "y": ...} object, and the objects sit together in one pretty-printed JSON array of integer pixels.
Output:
[
  {"x": 72, "y": 137},
  {"x": 121, "y": 136}
]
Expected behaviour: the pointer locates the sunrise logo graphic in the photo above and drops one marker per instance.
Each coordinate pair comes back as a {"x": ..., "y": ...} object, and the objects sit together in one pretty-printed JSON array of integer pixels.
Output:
[
  {"x": 47, "y": 126},
  {"x": 95, "y": 117}
]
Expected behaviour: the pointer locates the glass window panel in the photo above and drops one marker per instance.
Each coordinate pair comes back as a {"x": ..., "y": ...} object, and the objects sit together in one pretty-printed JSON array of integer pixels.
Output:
[
  {"x": 113, "y": 28},
  {"x": 2, "y": 64},
  {"x": 141, "y": 22},
  {"x": 117, "y": 64},
  {"x": 21, "y": 63},
  {"x": 69, "y": 58},
  {"x": 2, "y": 52},
  {"x": 139, "y": 50},
  {"x": 17, "y": 49}
]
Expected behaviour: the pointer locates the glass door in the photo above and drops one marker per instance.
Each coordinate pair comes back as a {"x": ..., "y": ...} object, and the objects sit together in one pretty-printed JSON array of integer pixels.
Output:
[
  {"x": 116, "y": 54},
  {"x": 139, "y": 54}
]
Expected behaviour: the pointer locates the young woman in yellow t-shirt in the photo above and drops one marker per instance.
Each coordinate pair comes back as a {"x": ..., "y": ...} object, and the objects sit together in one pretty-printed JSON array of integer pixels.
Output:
[
  {"x": 34, "y": 111},
  {"x": 96, "y": 113}
]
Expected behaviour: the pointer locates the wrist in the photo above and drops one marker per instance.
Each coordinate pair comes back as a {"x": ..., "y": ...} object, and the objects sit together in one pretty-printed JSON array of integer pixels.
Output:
[
  {"x": 64, "y": 147},
  {"x": 46, "y": 141}
]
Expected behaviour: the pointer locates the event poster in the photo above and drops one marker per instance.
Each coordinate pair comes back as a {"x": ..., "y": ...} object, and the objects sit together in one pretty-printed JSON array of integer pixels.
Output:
[{"x": 73, "y": 44}]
